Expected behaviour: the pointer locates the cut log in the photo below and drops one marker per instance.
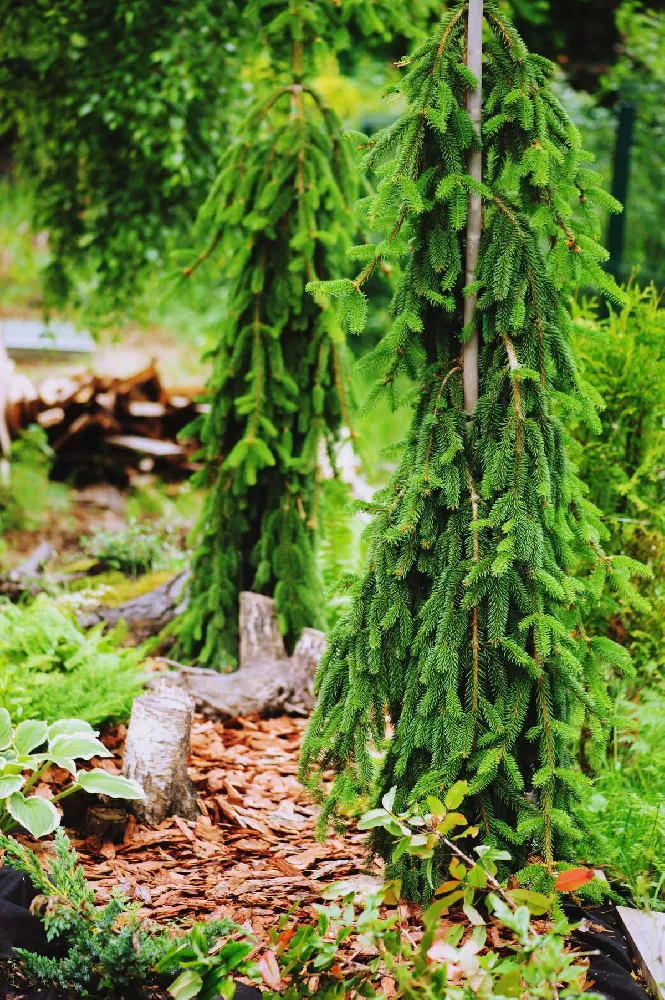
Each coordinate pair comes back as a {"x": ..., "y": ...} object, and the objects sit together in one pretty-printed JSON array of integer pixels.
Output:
[
  {"x": 58, "y": 391},
  {"x": 27, "y": 578},
  {"x": 147, "y": 614},
  {"x": 180, "y": 402},
  {"x": 106, "y": 823},
  {"x": 145, "y": 408},
  {"x": 145, "y": 445},
  {"x": 156, "y": 754},
  {"x": 262, "y": 687},
  {"x": 268, "y": 682},
  {"x": 306, "y": 657},
  {"x": 97, "y": 421},
  {"x": 51, "y": 418}
]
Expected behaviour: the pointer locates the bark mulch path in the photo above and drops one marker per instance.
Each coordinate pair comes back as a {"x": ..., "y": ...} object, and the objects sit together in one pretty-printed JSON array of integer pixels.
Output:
[{"x": 252, "y": 853}]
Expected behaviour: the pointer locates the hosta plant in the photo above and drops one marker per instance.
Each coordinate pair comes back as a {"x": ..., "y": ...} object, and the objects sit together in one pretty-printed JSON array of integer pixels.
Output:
[{"x": 28, "y": 750}]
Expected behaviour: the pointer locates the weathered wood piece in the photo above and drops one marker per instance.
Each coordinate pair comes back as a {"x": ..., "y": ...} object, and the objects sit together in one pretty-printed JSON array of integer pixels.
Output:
[
  {"x": 120, "y": 418},
  {"x": 306, "y": 657},
  {"x": 147, "y": 614},
  {"x": 260, "y": 638},
  {"x": 27, "y": 576},
  {"x": 646, "y": 935},
  {"x": 268, "y": 681},
  {"x": 34, "y": 564},
  {"x": 145, "y": 445},
  {"x": 156, "y": 754},
  {"x": 107, "y": 823}
]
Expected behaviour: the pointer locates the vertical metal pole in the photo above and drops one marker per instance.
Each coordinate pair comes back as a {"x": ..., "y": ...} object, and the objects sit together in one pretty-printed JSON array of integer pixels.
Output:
[
  {"x": 474, "y": 100},
  {"x": 616, "y": 235}
]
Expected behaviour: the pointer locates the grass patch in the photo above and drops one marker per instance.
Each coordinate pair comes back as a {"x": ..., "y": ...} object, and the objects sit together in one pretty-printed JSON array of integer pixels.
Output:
[{"x": 625, "y": 812}]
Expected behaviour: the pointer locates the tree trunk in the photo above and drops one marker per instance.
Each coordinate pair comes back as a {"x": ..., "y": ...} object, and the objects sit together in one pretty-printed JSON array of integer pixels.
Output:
[{"x": 474, "y": 61}]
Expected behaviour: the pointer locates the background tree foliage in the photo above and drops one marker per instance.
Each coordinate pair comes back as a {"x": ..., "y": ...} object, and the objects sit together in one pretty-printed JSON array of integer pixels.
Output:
[
  {"x": 117, "y": 117},
  {"x": 118, "y": 114}
]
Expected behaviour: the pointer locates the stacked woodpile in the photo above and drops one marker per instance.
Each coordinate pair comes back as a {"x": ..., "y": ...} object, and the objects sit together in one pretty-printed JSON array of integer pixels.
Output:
[{"x": 97, "y": 424}]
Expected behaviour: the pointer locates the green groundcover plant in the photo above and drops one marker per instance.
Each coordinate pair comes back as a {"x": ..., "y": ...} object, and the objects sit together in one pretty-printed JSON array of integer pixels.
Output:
[
  {"x": 467, "y": 627},
  {"x": 50, "y": 668},
  {"x": 113, "y": 952},
  {"x": 347, "y": 950},
  {"x": 29, "y": 496},
  {"x": 624, "y": 813},
  {"x": 29, "y": 750},
  {"x": 139, "y": 548}
]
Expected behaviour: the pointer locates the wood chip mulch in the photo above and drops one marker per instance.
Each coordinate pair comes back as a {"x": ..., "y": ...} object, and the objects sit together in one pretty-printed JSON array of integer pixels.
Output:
[{"x": 251, "y": 854}]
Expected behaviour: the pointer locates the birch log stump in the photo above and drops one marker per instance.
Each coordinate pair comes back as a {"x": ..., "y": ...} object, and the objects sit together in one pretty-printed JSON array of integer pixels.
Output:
[
  {"x": 157, "y": 751},
  {"x": 268, "y": 681}
]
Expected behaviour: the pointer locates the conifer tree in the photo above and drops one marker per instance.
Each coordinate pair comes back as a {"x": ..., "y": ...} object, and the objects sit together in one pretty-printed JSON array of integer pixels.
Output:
[
  {"x": 280, "y": 217},
  {"x": 467, "y": 626}
]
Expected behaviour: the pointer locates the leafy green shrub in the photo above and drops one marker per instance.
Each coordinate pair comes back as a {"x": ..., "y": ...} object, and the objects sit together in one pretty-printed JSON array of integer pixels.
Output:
[
  {"x": 50, "y": 668},
  {"x": 622, "y": 355},
  {"x": 143, "y": 546},
  {"x": 35, "y": 746},
  {"x": 29, "y": 494},
  {"x": 433, "y": 830},
  {"x": 438, "y": 966}
]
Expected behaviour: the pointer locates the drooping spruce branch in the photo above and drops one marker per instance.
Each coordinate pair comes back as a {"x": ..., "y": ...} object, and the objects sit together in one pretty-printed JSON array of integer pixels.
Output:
[
  {"x": 467, "y": 626},
  {"x": 278, "y": 217}
]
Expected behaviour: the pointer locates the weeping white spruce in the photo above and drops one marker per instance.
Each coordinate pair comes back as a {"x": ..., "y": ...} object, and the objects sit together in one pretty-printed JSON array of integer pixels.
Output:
[{"x": 466, "y": 627}]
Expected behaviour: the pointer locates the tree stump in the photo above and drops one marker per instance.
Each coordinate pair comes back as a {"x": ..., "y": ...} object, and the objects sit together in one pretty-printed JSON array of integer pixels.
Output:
[
  {"x": 268, "y": 681},
  {"x": 306, "y": 656},
  {"x": 157, "y": 751}
]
